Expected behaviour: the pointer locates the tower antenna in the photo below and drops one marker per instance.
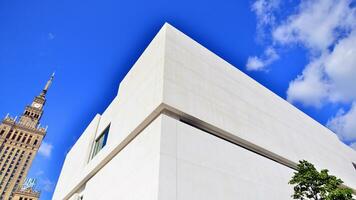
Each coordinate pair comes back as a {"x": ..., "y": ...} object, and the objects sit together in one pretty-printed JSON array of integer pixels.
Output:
[{"x": 48, "y": 84}]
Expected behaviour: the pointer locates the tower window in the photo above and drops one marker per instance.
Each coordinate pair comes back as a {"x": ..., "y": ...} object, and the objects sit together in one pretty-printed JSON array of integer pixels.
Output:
[
  {"x": 18, "y": 138},
  {"x": 354, "y": 164},
  {"x": 101, "y": 141},
  {"x": 8, "y": 135},
  {"x": 24, "y": 139},
  {"x": 2, "y": 132},
  {"x": 29, "y": 140}
]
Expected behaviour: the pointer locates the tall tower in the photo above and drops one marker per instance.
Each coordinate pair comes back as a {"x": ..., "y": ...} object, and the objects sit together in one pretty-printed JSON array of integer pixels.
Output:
[{"x": 20, "y": 140}]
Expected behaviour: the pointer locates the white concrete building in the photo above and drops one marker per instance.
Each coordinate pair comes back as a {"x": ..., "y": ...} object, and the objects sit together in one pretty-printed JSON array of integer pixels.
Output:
[{"x": 187, "y": 125}]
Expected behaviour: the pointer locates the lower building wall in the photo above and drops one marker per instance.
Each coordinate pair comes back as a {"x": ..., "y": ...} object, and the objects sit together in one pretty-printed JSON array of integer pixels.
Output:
[
  {"x": 197, "y": 165},
  {"x": 171, "y": 160},
  {"x": 76, "y": 160},
  {"x": 133, "y": 173}
]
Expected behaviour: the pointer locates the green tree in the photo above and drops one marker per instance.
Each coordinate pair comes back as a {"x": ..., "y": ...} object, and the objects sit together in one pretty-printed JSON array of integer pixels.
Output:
[{"x": 309, "y": 183}]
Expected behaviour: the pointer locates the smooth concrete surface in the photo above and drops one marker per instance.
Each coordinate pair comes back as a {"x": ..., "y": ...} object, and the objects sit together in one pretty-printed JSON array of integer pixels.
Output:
[
  {"x": 197, "y": 165},
  {"x": 199, "y": 83},
  {"x": 134, "y": 173},
  {"x": 77, "y": 158},
  {"x": 176, "y": 72},
  {"x": 140, "y": 92}
]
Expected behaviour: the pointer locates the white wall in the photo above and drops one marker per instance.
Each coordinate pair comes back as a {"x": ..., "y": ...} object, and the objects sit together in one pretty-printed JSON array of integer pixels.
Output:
[
  {"x": 200, "y": 84},
  {"x": 133, "y": 173},
  {"x": 197, "y": 165},
  {"x": 176, "y": 71},
  {"x": 76, "y": 159},
  {"x": 139, "y": 95},
  {"x": 172, "y": 160}
]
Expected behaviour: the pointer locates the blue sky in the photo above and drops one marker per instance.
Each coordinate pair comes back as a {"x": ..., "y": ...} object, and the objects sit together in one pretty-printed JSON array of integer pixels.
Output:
[{"x": 304, "y": 51}]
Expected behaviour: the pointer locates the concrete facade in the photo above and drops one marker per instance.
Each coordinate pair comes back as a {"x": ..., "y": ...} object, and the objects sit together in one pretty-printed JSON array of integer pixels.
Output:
[
  {"x": 20, "y": 139},
  {"x": 187, "y": 125},
  {"x": 26, "y": 195}
]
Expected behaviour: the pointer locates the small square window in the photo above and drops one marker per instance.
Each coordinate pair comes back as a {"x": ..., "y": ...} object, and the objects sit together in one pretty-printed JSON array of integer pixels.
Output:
[{"x": 101, "y": 141}]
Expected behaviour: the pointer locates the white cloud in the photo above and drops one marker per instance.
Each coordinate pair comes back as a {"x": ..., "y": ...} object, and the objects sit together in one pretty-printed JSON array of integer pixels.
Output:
[
  {"x": 330, "y": 75},
  {"x": 315, "y": 24},
  {"x": 328, "y": 78},
  {"x": 39, "y": 173},
  {"x": 309, "y": 88},
  {"x": 265, "y": 14},
  {"x": 340, "y": 68},
  {"x": 258, "y": 64},
  {"x": 254, "y": 64},
  {"x": 51, "y": 36},
  {"x": 45, "y": 149},
  {"x": 46, "y": 184},
  {"x": 344, "y": 124},
  {"x": 327, "y": 30},
  {"x": 264, "y": 11},
  {"x": 319, "y": 25}
]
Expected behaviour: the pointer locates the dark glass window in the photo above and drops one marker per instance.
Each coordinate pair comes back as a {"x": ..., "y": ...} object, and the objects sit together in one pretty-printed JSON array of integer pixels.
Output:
[
  {"x": 29, "y": 140},
  {"x": 18, "y": 138},
  {"x": 8, "y": 135},
  {"x": 2, "y": 132},
  {"x": 101, "y": 141},
  {"x": 354, "y": 164},
  {"x": 24, "y": 139}
]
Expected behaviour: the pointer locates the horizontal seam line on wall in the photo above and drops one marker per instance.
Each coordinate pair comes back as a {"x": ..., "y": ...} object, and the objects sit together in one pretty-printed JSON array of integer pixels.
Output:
[{"x": 195, "y": 122}]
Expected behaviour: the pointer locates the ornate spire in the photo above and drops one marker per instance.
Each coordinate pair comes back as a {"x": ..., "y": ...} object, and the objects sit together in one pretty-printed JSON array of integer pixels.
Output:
[{"x": 48, "y": 84}]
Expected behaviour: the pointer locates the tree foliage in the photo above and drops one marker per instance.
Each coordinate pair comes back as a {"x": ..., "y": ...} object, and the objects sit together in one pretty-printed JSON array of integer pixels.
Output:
[{"x": 309, "y": 183}]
